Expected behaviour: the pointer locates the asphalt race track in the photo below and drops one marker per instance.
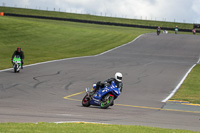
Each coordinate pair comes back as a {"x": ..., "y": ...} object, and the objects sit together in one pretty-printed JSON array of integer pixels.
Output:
[{"x": 152, "y": 66}]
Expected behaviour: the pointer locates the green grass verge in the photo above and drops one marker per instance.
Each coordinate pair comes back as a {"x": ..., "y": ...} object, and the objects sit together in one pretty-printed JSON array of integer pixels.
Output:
[
  {"x": 81, "y": 128},
  {"x": 43, "y": 40},
  {"x": 190, "y": 89},
  {"x": 95, "y": 18}
]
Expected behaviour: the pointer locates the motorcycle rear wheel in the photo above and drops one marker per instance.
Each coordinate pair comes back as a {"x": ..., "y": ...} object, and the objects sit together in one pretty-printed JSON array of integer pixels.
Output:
[
  {"x": 86, "y": 101},
  {"x": 108, "y": 102}
]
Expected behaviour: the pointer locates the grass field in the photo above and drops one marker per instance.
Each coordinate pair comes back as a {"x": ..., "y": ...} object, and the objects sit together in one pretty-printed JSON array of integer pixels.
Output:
[
  {"x": 81, "y": 128},
  {"x": 190, "y": 89},
  {"x": 95, "y": 18},
  {"x": 43, "y": 40}
]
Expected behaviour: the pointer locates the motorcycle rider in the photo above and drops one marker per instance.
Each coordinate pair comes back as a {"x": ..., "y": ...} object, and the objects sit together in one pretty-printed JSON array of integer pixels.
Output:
[
  {"x": 158, "y": 30},
  {"x": 117, "y": 80},
  {"x": 176, "y": 30},
  {"x": 20, "y": 53},
  {"x": 194, "y": 31}
]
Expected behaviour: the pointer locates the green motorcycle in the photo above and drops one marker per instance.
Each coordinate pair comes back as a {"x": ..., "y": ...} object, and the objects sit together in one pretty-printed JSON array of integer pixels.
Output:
[
  {"x": 17, "y": 63},
  {"x": 176, "y": 30}
]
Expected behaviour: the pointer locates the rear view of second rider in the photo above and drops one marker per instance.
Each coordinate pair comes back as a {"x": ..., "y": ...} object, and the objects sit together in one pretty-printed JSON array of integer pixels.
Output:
[{"x": 158, "y": 30}]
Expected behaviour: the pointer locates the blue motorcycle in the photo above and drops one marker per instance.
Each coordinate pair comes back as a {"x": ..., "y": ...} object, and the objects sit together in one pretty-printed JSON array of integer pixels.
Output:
[{"x": 104, "y": 97}]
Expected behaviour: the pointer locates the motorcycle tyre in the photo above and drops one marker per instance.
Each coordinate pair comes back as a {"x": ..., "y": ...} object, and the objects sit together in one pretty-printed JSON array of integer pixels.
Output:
[
  {"x": 85, "y": 103},
  {"x": 15, "y": 68},
  {"x": 158, "y": 33},
  {"x": 112, "y": 103},
  {"x": 108, "y": 104}
]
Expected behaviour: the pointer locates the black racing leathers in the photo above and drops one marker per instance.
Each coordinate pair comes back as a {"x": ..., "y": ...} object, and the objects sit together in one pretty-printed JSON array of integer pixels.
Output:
[
  {"x": 108, "y": 82},
  {"x": 118, "y": 84}
]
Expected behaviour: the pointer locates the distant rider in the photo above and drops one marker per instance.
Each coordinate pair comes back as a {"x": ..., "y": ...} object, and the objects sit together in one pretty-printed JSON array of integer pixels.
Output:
[
  {"x": 158, "y": 30},
  {"x": 194, "y": 31},
  {"x": 20, "y": 53},
  {"x": 117, "y": 80},
  {"x": 176, "y": 30}
]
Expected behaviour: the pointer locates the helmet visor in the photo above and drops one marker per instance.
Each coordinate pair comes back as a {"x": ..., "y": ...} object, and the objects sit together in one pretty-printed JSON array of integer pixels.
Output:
[{"x": 120, "y": 78}]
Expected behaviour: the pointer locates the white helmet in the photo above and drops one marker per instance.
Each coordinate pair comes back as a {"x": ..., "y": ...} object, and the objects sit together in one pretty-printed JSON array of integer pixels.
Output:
[{"x": 118, "y": 76}]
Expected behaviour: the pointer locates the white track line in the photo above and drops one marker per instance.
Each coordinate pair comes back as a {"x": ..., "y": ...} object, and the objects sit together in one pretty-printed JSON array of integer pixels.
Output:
[
  {"x": 6, "y": 70},
  {"x": 77, "y": 57},
  {"x": 181, "y": 82},
  {"x": 198, "y": 61}
]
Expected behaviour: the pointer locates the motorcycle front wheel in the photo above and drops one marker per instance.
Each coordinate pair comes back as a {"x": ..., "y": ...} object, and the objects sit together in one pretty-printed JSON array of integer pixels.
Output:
[
  {"x": 15, "y": 68},
  {"x": 86, "y": 101},
  {"x": 107, "y": 101},
  {"x": 158, "y": 33}
]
